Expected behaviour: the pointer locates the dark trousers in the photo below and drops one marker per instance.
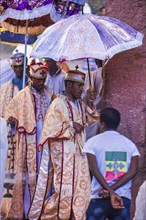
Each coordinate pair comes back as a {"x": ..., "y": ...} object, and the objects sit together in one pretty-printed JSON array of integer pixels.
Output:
[{"x": 100, "y": 209}]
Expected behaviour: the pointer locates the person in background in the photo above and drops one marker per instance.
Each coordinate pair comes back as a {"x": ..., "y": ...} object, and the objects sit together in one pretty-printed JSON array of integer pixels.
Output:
[
  {"x": 10, "y": 89},
  {"x": 96, "y": 85},
  {"x": 140, "y": 212},
  {"x": 28, "y": 109},
  {"x": 6, "y": 72},
  {"x": 55, "y": 77},
  {"x": 64, "y": 66},
  {"x": 113, "y": 160},
  {"x": 63, "y": 135},
  {"x": 102, "y": 10},
  {"x": 7, "y": 93}
]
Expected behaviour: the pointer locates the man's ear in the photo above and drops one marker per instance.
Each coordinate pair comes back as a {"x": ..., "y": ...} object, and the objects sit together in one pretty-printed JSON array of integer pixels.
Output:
[
  {"x": 102, "y": 124},
  {"x": 27, "y": 71}
]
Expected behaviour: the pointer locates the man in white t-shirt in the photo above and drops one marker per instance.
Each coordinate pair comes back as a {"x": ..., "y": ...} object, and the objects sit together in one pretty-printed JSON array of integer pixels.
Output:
[
  {"x": 55, "y": 77},
  {"x": 113, "y": 157}
]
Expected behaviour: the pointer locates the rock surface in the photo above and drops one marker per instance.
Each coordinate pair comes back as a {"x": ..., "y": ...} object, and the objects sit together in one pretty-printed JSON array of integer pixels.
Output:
[{"x": 125, "y": 83}]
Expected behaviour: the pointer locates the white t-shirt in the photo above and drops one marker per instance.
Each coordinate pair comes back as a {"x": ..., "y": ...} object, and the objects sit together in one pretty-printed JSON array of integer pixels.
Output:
[
  {"x": 56, "y": 83},
  {"x": 113, "y": 153}
]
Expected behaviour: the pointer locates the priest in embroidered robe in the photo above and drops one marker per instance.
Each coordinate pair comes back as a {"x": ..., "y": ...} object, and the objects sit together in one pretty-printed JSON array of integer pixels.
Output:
[
  {"x": 11, "y": 88},
  {"x": 28, "y": 108},
  {"x": 63, "y": 135}
]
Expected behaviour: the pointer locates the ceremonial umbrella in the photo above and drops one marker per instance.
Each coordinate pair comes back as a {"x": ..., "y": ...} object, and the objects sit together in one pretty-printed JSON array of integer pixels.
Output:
[
  {"x": 86, "y": 36},
  {"x": 38, "y": 13},
  {"x": 26, "y": 17},
  {"x": 32, "y": 17}
]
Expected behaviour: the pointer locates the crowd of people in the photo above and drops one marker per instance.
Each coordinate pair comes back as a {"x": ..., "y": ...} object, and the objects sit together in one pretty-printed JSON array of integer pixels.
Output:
[{"x": 65, "y": 158}]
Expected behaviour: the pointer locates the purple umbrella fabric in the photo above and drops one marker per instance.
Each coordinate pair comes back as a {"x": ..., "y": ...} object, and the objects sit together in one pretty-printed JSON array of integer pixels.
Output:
[
  {"x": 21, "y": 5},
  {"x": 39, "y": 14},
  {"x": 26, "y": 9}
]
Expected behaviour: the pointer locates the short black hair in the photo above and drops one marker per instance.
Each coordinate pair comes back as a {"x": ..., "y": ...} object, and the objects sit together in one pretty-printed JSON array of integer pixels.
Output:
[
  {"x": 111, "y": 117},
  {"x": 98, "y": 63},
  {"x": 101, "y": 8}
]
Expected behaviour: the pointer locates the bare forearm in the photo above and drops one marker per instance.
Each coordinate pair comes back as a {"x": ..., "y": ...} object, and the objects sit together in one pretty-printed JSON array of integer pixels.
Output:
[
  {"x": 101, "y": 180},
  {"x": 125, "y": 179},
  {"x": 91, "y": 105},
  {"x": 116, "y": 201},
  {"x": 129, "y": 175}
]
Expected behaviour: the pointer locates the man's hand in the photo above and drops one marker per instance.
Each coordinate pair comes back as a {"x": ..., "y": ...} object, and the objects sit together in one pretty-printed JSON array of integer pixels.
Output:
[
  {"x": 90, "y": 97},
  {"x": 116, "y": 201},
  {"x": 11, "y": 121},
  {"x": 103, "y": 193},
  {"x": 78, "y": 127}
]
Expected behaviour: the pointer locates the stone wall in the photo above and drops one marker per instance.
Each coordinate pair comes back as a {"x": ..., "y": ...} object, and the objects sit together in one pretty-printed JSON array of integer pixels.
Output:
[{"x": 125, "y": 82}]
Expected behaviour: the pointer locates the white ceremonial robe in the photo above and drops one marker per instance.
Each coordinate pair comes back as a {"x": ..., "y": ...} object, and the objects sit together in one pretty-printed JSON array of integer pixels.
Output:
[{"x": 3, "y": 152}]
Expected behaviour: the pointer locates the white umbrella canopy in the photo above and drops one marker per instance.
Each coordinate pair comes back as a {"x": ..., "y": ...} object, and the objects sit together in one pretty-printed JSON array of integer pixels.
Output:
[{"x": 86, "y": 36}]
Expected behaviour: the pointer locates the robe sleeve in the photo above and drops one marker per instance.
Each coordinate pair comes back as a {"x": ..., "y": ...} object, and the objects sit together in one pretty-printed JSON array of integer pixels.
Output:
[
  {"x": 5, "y": 97},
  {"x": 91, "y": 115},
  {"x": 21, "y": 108},
  {"x": 57, "y": 123},
  {"x": 12, "y": 109}
]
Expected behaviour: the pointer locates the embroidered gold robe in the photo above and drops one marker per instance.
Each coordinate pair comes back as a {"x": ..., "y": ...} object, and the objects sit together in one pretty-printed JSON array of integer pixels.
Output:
[
  {"x": 68, "y": 167},
  {"x": 22, "y": 108},
  {"x": 7, "y": 92}
]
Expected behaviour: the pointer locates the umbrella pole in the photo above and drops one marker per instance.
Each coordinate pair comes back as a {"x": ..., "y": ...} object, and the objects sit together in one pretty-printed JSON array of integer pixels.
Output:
[
  {"x": 25, "y": 57},
  {"x": 89, "y": 74}
]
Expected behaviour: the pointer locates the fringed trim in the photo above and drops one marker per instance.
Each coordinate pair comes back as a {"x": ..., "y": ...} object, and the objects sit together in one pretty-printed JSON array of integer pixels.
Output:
[
  {"x": 31, "y": 14},
  {"x": 125, "y": 46}
]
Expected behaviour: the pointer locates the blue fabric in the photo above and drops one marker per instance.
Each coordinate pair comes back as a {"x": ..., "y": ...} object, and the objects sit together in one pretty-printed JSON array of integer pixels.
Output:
[
  {"x": 76, "y": 104},
  {"x": 80, "y": 2},
  {"x": 19, "y": 82},
  {"x": 99, "y": 209},
  {"x": 9, "y": 37}
]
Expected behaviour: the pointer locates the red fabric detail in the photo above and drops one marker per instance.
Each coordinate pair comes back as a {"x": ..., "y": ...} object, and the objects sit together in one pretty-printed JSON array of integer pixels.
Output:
[
  {"x": 61, "y": 178},
  {"x": 43, "y": 73},
  {"x": 110, "y": 176},
  {"x": 18, "y": 61}
]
